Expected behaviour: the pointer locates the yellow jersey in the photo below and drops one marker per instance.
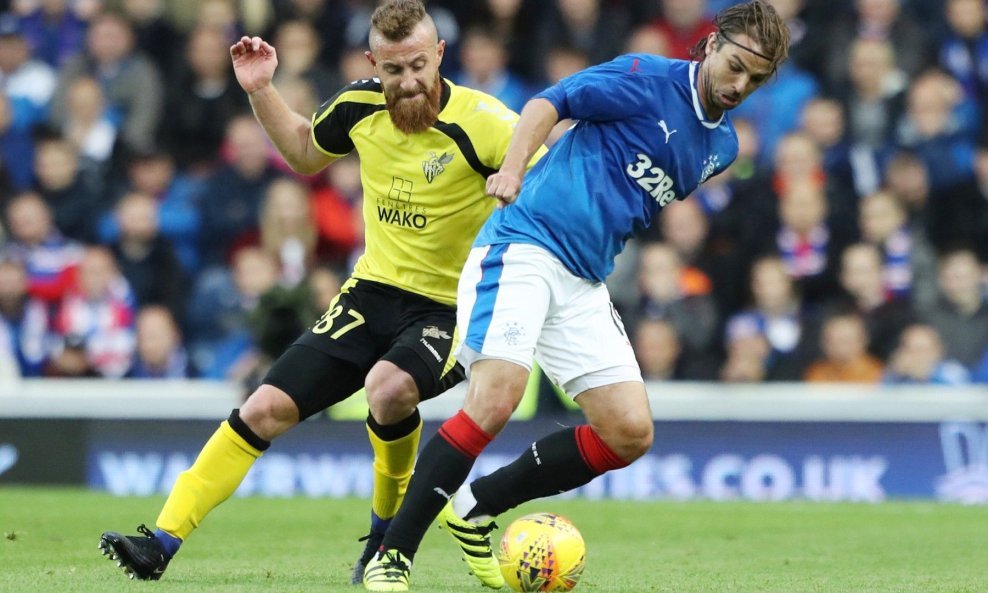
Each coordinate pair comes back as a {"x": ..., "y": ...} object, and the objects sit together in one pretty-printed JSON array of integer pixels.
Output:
[{"x": 424, "y": 193}]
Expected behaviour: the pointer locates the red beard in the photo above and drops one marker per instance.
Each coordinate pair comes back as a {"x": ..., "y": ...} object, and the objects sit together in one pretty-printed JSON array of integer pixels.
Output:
[{"x": 417, "y": 113}]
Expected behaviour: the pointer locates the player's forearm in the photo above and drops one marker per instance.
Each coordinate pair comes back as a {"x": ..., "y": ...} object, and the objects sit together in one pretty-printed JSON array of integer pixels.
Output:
[
  {"x": 288, "y": 130},
  {"x": 537, "y": 119}
]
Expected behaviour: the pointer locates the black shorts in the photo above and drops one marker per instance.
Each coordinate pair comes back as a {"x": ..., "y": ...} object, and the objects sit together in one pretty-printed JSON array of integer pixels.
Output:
[{"x": 366, "y": 323}]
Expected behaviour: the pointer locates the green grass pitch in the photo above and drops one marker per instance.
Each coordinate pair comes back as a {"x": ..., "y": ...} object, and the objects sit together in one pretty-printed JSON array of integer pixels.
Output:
[{"x": 288, "y": 545}]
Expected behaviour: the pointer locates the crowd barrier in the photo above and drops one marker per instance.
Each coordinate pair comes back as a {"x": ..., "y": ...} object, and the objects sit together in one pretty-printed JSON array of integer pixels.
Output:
[{"x": 712, "y": 441}]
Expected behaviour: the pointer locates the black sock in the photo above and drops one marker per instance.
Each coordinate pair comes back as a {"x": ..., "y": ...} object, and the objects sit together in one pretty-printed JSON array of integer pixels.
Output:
[
  {"x": 550, "y": 466},
  {"x": 441, "y": 466}
]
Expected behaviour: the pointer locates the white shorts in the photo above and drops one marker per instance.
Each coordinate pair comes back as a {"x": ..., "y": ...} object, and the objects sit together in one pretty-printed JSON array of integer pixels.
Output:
[{"x": 519, "y": 303}]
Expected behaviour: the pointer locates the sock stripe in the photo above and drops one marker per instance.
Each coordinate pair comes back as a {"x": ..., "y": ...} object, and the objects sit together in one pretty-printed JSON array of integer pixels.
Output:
[
  {"x": 465, "y": 435},
  {"x": 595, "y": 452}
]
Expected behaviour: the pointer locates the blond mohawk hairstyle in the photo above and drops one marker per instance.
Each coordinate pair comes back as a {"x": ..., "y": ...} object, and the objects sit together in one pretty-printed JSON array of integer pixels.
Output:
[{"x": 395, "y": 19}]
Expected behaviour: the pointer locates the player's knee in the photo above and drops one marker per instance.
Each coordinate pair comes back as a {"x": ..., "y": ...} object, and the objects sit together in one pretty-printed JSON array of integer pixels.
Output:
[
  {"x": 632, "y": 439},
  {"x": 269, "y": 412},
  {"x": 391, "y": 396}
]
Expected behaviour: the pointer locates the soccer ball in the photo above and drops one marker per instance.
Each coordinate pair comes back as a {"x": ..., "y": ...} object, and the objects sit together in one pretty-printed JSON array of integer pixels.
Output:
[{"x": 542, "y": 552}]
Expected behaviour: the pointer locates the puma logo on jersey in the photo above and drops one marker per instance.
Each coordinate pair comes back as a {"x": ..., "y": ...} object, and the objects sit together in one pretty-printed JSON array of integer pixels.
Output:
[
  {"x": 665, "y": 129},
  {"x": 435, "y": 165}
]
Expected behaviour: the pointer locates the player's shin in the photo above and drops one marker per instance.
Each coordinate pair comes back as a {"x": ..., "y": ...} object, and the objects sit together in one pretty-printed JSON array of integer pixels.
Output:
[
  {"x": 443, "y": 466},
  {"x": 557, "y": 463},
  {"x": 220, "y": 468}
]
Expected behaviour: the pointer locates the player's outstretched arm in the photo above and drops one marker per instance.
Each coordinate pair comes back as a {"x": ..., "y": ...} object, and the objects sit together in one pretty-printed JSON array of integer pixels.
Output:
[
  {"x": 537, "y": 119},
  {"x": 254, "y": 63}
]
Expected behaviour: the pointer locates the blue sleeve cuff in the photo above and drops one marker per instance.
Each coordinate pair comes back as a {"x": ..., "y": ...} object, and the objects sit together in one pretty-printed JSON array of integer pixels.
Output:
[{"x": 556, "y": 95}]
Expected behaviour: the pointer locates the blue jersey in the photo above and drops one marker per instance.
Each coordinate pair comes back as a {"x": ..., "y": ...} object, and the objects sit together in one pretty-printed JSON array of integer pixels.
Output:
[{"x": 642, "y": 141}]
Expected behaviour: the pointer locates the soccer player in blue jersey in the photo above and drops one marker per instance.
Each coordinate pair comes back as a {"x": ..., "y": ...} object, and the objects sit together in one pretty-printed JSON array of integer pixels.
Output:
[{"x": 650, "y": 131}]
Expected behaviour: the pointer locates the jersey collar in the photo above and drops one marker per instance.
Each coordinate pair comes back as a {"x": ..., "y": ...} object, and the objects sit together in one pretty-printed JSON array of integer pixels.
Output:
[
  {"x": 444, "y": 94},
  {"x": 697, "y": 107}
]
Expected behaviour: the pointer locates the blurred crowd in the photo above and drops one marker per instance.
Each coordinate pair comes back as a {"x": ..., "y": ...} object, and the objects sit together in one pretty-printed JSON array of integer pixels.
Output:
[{"x": 150, "y": 230}]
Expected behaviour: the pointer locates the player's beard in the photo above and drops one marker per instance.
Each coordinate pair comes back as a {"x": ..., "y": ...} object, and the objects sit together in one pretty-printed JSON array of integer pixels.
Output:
[{"x": 416, "y": 111}]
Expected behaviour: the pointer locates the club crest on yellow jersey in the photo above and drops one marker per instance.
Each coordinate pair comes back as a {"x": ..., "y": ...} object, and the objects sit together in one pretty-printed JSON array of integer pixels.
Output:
[{"x": 435, "y": 165}]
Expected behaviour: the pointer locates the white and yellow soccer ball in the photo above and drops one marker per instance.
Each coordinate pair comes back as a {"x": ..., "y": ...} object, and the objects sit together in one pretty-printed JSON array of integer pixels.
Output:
[{"x": 542, "y": 552}]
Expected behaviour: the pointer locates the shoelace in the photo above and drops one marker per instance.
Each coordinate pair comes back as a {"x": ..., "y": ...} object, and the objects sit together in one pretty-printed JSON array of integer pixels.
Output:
[
  {"x": 143, "y": 529},
  {"x": 393, "y": 561}
]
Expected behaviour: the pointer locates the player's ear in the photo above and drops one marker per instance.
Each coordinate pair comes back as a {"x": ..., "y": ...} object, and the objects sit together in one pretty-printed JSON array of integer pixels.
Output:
[
  {"x": 711, "y": 44},
  {"x": 370, "y": 58},
  {"x": 440, "y": 51}
]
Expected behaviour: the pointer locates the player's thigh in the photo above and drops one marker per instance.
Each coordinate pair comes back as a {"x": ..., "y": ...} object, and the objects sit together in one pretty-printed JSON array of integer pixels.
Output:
[
  {"x": 313, "y": 379},
  {"x": 329, "y": 361},
  {"x": 584, "y": 344},
  {"x": 503, "y": 297},
  {"x": 423, "y": 346}
]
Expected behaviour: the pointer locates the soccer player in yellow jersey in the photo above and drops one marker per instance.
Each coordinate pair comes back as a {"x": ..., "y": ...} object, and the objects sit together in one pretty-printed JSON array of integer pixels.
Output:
[{"x": 426, "y": 149}]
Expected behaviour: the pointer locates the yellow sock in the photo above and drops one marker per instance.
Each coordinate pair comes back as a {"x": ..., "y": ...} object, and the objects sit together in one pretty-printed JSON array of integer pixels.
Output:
[
  {"x": 220, "y": 468},
  {"x": 393, "y": 463}
]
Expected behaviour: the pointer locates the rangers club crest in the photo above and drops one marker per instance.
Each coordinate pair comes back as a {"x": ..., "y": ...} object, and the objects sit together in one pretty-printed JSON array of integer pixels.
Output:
[{"x": 435, "y": 165}]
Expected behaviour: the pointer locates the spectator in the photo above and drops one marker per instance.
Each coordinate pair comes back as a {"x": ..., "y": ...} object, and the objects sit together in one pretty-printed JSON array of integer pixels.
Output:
[
  {"x": 154, "y": 34},
  {"x": 299, "y": 45},
  {"x": 853, "y": 166},
  {"x": 874, "y": 100},
  {"x": 776, "y": 316},
  {"x": 845, "y": 353},
  {"x": 920, "y": 359},
  {"x": 177, "y": 195},
  {"x": 939, "y": 128},
  {"x": 337, "y": 212},
  {"x": 748, "y": 358},
  {"x": 62, "y": 184},
  {"x": 964, "y": 50},
  {"x": 27, "y": 82},
  {"x": 484, "y": 62},
  {"x": 233, "y": 194},
  {"x": 88, "y": 127},
  {"x": 99, "y": 308},
  {"x": 288, "y": 231},
  {"x": 960, "y": 315},
  {"x": 671, "y": 293},
  {"x": 160, "y": 354},
  {"x": 908, "y": 264},
  {"x": 720, "y": 273},
  {"x": 131, "y": 83},
  {"x": 882, "y": 21},
  {"x": 23, "y": 320},
  {"x": 48, "y": 257},
  {"x": 514, "y": 23},
  {"x": 147, "y": 260},
  {"x": 54, "y": 32},
  {"x": 201, "y": 103},
  {"x": 585, "y": 25},
  {"x": 217, "y": 319},
  {"x": 324, "y": 284},
  {"x": 683, "y": 23},
  {"x": 862, "y": 279},
  {"x": 799, "y": 159},
  {"x": 329, "y": 17},
  {"x": 809, "y": 246},
  {"x": 658, "y": 349}
]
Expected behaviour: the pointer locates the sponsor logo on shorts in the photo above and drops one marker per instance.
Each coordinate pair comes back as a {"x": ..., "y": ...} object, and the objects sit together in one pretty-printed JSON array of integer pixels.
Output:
[
  {"x": 429, "y": 347},
  {"x": 432, "y": 331}
]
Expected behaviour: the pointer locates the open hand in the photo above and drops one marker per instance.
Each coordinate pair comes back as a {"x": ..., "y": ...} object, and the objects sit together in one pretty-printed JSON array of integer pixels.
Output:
[{"x": 254, "y": 62}]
